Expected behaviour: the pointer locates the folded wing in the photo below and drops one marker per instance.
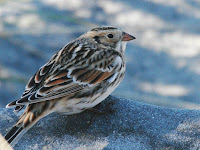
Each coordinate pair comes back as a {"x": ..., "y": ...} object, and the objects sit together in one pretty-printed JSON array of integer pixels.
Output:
[{"x": 54, "y": 80}]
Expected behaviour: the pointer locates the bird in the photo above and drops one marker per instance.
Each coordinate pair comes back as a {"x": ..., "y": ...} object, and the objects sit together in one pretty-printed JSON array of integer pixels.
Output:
[{"x": 78, "y": 77}]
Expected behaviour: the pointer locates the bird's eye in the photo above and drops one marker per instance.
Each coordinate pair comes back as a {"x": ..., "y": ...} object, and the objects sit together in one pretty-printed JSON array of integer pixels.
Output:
[{"x": 110, "y": 36}]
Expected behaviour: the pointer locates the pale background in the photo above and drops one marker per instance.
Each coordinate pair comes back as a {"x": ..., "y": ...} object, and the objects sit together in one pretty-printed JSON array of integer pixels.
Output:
[{"x": 163, "y": 63}]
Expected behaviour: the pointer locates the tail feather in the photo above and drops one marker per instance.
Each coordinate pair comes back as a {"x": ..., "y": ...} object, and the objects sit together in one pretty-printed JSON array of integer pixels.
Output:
[
  {"x": 15, "y": 134},
  {"x": 31, "y": 115}
]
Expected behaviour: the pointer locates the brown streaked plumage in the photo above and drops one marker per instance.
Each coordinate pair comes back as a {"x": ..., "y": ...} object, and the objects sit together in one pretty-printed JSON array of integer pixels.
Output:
[{"x": 79, "y": 76}]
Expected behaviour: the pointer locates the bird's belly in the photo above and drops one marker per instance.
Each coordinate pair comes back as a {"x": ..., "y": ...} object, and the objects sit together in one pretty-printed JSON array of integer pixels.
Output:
[{"x": 77, "y": 105}]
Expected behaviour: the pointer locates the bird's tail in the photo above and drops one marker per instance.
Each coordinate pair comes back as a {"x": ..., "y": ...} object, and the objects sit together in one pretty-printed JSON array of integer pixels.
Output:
[
  {"x": 31, "y": 115},
  {"x": 15, "y": 134},
  {"x": 27, "y": 120}
]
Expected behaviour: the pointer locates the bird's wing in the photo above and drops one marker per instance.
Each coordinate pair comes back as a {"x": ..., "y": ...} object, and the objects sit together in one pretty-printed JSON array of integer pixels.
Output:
[
  {"x": 36, "y": 81},
  {"x": 84, "y": 69}
]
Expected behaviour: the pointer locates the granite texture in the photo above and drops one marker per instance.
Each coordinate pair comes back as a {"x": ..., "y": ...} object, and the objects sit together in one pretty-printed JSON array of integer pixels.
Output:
[{"x": 131, "y": 125}]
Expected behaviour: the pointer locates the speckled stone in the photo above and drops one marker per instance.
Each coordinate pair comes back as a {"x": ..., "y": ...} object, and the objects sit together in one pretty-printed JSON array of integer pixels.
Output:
[{"x": 131, "y": 125}]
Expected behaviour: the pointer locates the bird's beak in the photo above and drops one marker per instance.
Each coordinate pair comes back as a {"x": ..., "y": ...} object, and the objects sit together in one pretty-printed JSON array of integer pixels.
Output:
[{"x": 127, "y": 37}]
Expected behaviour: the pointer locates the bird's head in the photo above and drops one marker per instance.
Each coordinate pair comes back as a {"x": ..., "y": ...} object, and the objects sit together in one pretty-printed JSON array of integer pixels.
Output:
[{"x": 109, "y": 37}]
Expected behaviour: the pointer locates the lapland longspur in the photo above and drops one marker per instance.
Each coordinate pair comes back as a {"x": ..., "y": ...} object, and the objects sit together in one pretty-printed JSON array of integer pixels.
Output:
[{"x": 78, "y": 77}]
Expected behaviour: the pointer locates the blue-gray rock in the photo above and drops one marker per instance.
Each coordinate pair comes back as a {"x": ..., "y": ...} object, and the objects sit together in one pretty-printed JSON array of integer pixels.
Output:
[{"x": 132, "y": 125}]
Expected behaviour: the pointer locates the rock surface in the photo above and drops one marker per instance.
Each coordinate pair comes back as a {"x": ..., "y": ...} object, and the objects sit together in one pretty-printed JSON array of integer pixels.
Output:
[{"x": 132, "y": 125}]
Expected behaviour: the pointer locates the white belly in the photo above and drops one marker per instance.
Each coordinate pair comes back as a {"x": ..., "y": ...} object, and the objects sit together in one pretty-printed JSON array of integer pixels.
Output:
[{"x": 73, "y": 106}]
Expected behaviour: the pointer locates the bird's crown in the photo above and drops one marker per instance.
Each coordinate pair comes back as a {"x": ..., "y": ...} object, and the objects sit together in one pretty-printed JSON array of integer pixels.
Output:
[{"x": 104, "y": 28}]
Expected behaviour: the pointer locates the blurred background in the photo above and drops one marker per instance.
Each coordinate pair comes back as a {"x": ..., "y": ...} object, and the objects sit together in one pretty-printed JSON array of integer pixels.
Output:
[{"x": 163, "y": 63}]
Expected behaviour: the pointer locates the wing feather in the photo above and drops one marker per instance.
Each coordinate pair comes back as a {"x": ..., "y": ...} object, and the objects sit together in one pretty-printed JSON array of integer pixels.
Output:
[
  {"x": 37, "y": 78},
  {"x": 35, "y": 81},
  {"x": 51, "y": 82}
]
